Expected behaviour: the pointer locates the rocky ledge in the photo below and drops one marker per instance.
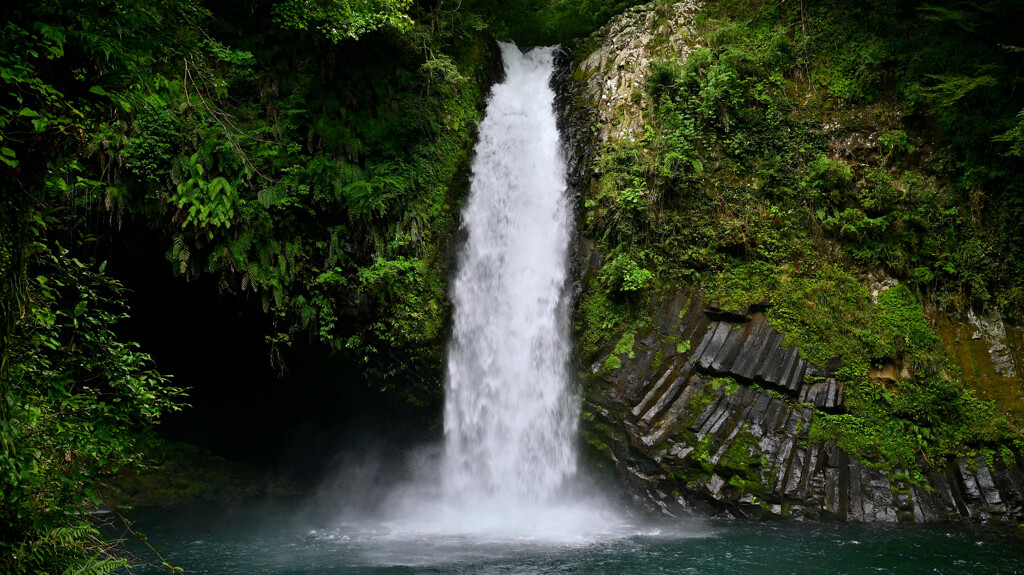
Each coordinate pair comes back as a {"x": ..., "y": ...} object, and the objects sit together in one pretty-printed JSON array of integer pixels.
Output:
[{"x": 709, "y": 412}]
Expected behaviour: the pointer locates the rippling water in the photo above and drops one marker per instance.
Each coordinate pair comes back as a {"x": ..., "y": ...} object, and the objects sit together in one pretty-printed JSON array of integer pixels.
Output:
[{"x": 268, "y": 539}]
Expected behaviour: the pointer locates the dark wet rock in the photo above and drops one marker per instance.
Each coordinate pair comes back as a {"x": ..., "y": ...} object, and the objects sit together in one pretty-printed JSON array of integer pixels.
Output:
[
  {"x": 724, "y": 429},
  {"x": 826, "y": 396}
]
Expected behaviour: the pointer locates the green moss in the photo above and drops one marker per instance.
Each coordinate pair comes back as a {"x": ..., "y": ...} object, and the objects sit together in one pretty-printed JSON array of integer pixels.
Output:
[
  {"x": 1006, "y": 454},
  {"x": 611, "y": 364},
  {"x": 742, "y": 455},
  {"x": 799, "y": 427},
  {"x": 658, "y": 359},
  {"x": 626, "y": 344},
  {"x": 877, "y": 443},
  {"x": 731, "y": 387},
  {"x": 904, "y": 329},
  {"x": 600, "y": 446},
  {"x": 598, "y": 318},
  {"x": 717, "y": 383},
  {"x": 823, "y": 309},
  {"x": 754, "y": 487},
  {"x": 701, "y": 455},
  {"x": 604, "y": 429},
  {"x": 700, "y": 401},
  {"x": 685, "y": 437}
]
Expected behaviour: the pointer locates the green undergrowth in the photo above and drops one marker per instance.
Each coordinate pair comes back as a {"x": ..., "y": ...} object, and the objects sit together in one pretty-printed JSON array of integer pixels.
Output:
[
  {"x": 318, "y": 175},
  {"x": 600, "y": 317},
  {"x": 549, "y": 22},
  {"x": 742, "y": 462},
  {"x": 915, "y": 424}
]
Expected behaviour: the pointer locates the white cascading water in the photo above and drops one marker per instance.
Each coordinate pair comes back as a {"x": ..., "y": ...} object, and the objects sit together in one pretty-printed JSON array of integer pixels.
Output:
[
  {"x": 510, "y": 418},
  {"x": 510, "y": 422}
]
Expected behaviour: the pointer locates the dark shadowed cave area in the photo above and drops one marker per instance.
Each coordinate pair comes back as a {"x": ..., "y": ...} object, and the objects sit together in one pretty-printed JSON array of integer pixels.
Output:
[{"x": 296, "y": 424}]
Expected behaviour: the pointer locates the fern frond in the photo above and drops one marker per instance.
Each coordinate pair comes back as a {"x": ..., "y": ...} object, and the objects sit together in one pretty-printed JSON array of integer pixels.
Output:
[{"x": 97, "y": 566}]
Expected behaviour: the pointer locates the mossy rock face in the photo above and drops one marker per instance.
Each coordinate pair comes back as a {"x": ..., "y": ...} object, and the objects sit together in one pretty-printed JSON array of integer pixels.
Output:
[
  {"x": 769, "y": 227},
  {"x": 734, "y": 426},
  {"x": 989, "y": 355},
  {"x": 616, "y": 66}
]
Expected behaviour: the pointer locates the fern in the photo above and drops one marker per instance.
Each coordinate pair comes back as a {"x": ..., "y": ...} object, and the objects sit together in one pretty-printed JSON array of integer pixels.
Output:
[
  {"x": 97, "y": 566},
  {"x": 180, "y": 254},
  {"x": 951, "y": 88}
]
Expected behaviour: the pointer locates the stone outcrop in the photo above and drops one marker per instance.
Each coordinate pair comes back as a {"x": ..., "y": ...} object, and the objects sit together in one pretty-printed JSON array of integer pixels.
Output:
[
  {"x": 989, "y": 353},
  {"x": 723, "y": 427},
  {"x": 992, "y": 330},
  {"x": 618, "y": 66}
]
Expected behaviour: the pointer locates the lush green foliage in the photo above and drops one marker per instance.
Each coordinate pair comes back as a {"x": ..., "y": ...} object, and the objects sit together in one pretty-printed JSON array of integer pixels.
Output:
[
  {"x": 78, "y": 398},
  {"x": 316, "y": 174},
  {"x": 341, "y": 19},
  {"x": 549, "y": 22},
  {"x": 323, "y": 180},
  {"x": 72, "y": 396}
]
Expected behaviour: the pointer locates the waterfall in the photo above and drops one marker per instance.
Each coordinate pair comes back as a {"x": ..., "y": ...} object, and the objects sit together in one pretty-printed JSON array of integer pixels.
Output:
[
  {"x": 510, "y": 416},
  {"x": 508, "y": 471}
]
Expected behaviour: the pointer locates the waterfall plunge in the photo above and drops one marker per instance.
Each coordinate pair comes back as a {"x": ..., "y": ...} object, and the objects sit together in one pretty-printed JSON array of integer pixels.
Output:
[
  {"x": 510, "y": 423},
  {"x": 509, "y": 464}
]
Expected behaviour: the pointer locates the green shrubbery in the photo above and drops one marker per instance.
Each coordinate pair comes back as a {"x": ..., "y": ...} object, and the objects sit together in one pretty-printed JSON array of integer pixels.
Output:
[
  {"x": 317, "y": 174},
  {"x": 549, "y": 22},
  {"x": 76, "y": 399}
]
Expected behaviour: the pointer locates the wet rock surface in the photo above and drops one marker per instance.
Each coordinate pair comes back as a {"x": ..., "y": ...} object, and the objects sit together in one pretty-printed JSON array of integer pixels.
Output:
[
  {"x": 989, "y": 353},
  {"x": 724, "y": 427},
  {"x": 990, "y": 328}
]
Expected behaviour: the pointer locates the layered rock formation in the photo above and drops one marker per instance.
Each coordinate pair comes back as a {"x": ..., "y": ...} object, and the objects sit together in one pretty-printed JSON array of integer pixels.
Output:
[{"x": 725, "y": 427}]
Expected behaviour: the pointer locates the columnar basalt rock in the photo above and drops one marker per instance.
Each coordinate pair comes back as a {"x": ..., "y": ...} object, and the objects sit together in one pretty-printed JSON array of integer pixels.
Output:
[{"x": 724, "y": 428}]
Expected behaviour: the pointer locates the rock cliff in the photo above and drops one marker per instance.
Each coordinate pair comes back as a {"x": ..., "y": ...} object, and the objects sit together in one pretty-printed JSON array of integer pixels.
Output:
[{"x": 711, "y": 410}]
